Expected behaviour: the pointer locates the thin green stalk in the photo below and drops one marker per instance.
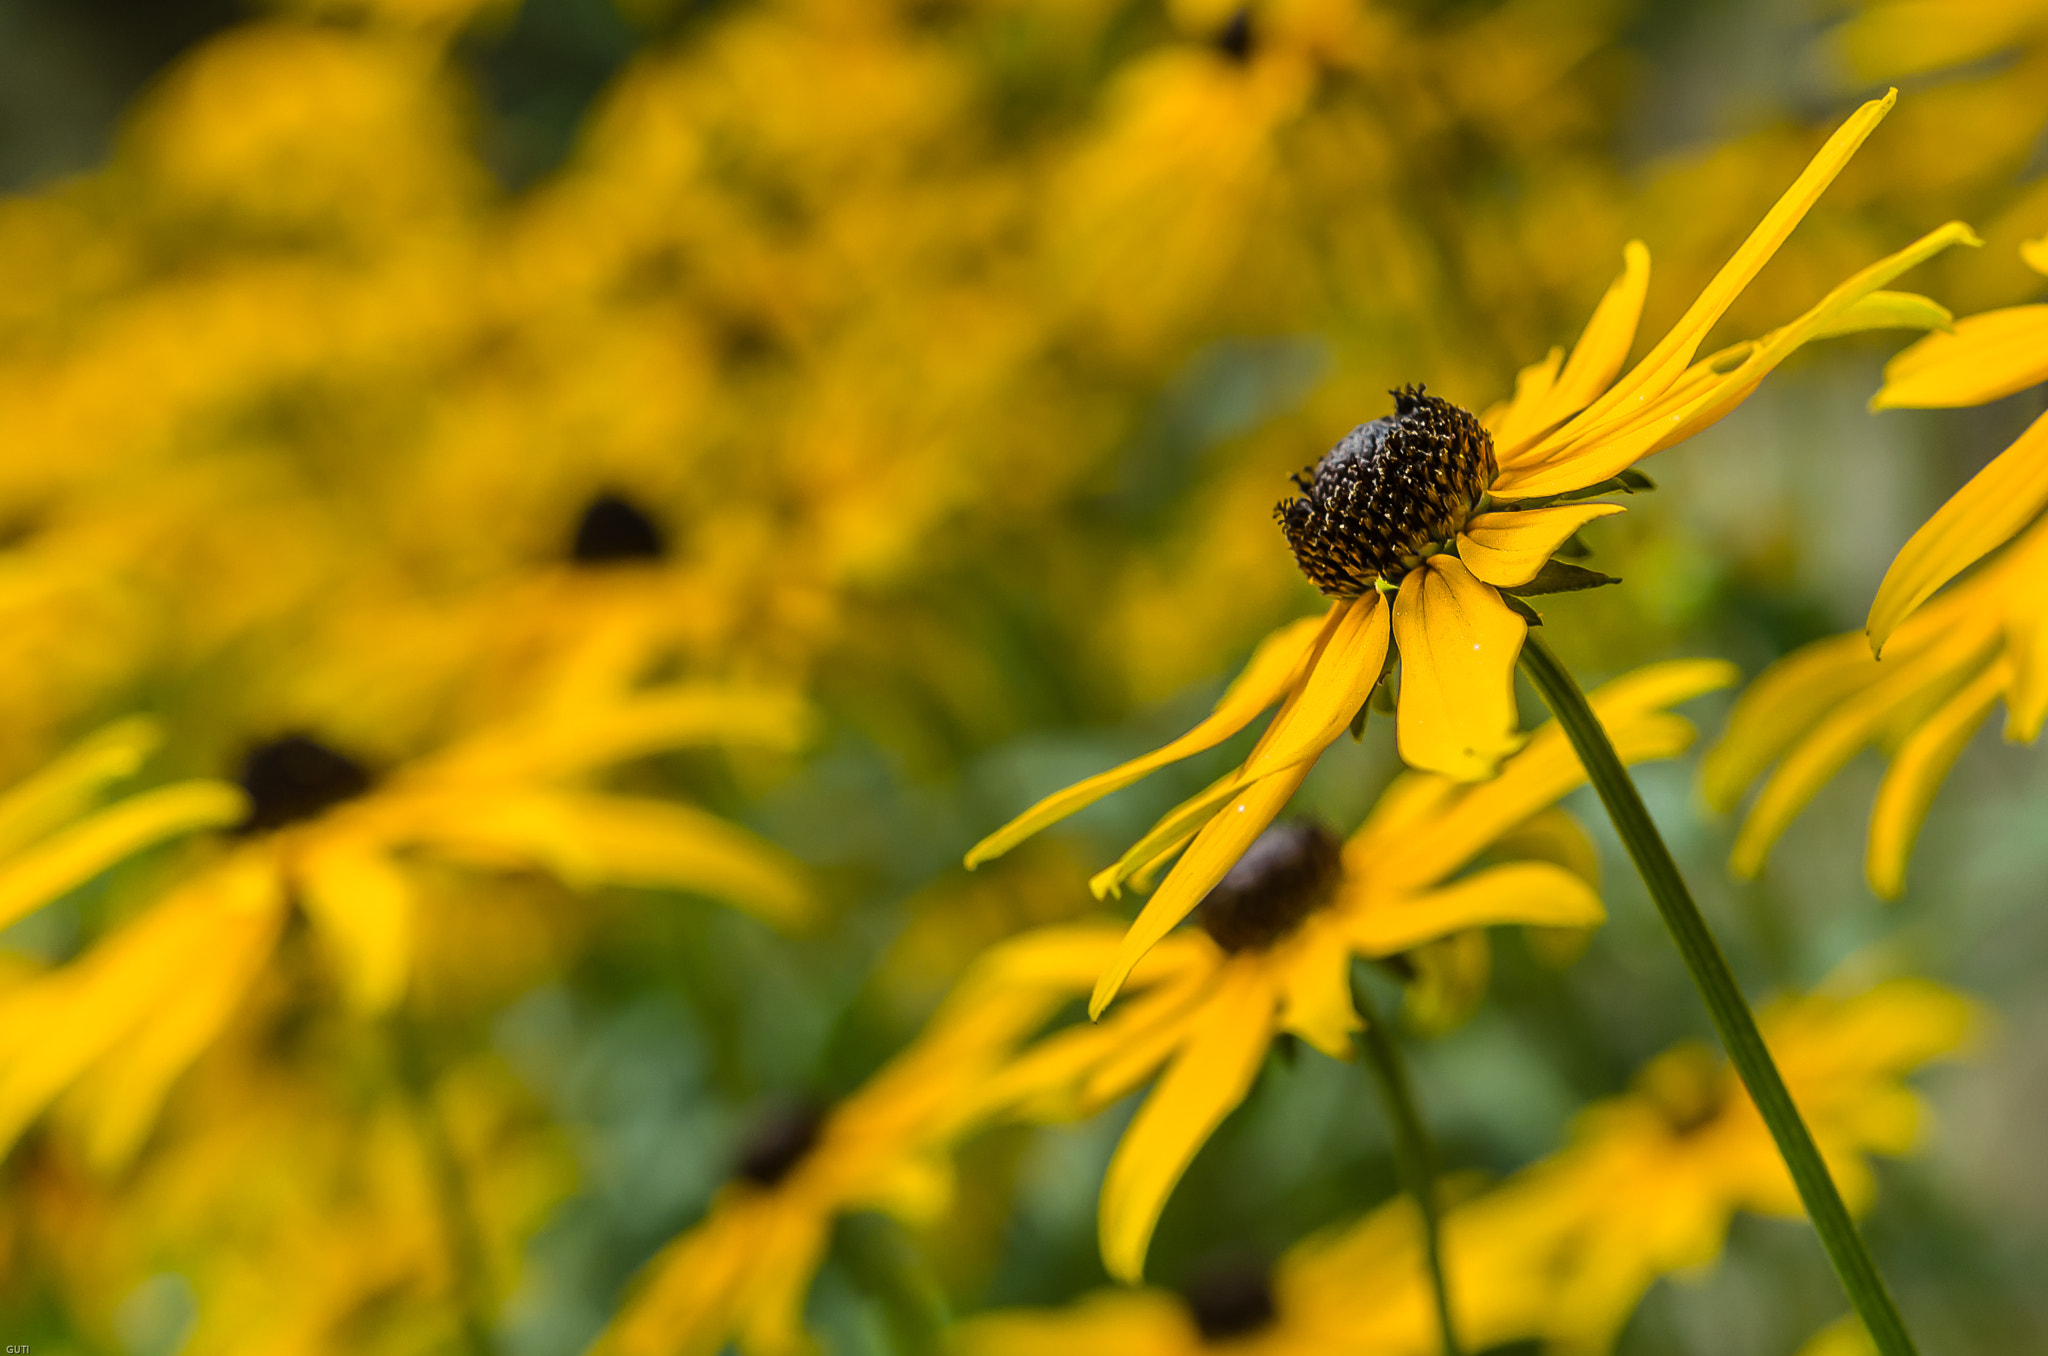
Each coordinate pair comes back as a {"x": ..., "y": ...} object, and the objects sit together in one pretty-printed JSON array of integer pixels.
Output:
[
  {"x": 1731, "y": 1014},
  {"x": 1414, "y": 1155},
  {"x": 458, "y": 1224}
]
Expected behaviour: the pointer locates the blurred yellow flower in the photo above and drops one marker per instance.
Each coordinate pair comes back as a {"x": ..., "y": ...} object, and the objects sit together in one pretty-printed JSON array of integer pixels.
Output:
[
  {"x": 1400, "y": 523},
  {"x": 1652, "y": 1179},
  {"x": 322, "y": 832},
  {"x": 1276, "y": 943},
  {"x": 1984, "y": 358},
  {"x": 739, "y": 1277}
]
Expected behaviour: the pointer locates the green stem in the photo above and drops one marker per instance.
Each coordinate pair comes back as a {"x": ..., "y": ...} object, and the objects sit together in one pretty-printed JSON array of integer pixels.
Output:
[
  {"x": 458, "y": 1225},
  {"x": 1731, "y": 1014},
  {"x": 1414, "y": 1156}
]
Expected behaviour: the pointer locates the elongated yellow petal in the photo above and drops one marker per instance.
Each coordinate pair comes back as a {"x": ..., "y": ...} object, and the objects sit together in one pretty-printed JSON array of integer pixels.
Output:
[
  {"x": 362, "y": 906},
  {"x": 1986, "y": 357},
  {"x": 71, "y": 780},
  {"x": 1916, "y": 774},
  {"x": 1210, "y": 1077},
  {"x": 1507, "y": 549},
  {"x": 1996, "y": 503},
  {"x": 83, "y": 850},
  {"x": 2026, "y": 649},
  {"x": 1458, "y": 645},
  {"x": 1886, "y": 311},
  {"x": 1519, "y": 892},
  {"x": 1854, "y": 722},
  {"x": 1598, "y": 355},
  {"x": 649, "y": 722},
  {"x": 1786, "y": 701},
  {"x": 1315, "y": 980},
  {"x": 2035, "y": 253},
  {"x": 683, "y": 1300},
  {"x": 1274, "y": 668},
  {"x": 1215, "y": 850},
  {"x": 1514, "y": 421},
  {"x": 1172, "y": 833},
  {"x": 1339, "y": 680}
]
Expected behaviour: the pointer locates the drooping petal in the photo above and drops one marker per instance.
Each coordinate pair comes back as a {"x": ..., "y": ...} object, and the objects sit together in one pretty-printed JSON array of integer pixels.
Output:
[
  {"x": 1508, "y": 549},
  {"x": 1996, "y": 503},
  {"x": 1986, "y": 357},
  {"x": 1215, "y": 850},
  {"x": 70, "y": 781},
  {"x": 1273, "y": 670},
  {"x": 682, "y": 1302},
  {"x": 84, "y": 849},
  {"x": 362, "y": 905},
  {"x": 1458, "y": 645},
  {"x": 1785, "y": 702},
  {"x": 1315, "y": 987},
  {"x": 2026, "y": 641},
  {"x": 1886, "y": 311},
  {"x": 1916, "y": 774},
  {"x": 1519, "y": 892},
  {"x": 1209, "y": 1078}
]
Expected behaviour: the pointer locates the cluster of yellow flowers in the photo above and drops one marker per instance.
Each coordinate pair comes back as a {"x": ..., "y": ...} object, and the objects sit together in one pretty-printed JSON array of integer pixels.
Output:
[{"x": 407, "y": 584}]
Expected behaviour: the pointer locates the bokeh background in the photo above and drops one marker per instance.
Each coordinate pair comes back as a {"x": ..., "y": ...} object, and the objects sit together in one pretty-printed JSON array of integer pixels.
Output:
[{"x": 957, "y": 351}]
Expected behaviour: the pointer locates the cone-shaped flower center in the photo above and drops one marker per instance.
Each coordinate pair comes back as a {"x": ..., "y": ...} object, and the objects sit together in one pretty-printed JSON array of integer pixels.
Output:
[
  {"x": 296, "y": 777},
  {"x": 1390, "y": 493},
  {"x": 779, "y": 1142},
  {"x": 613, "y": 530},
  {"x": 1230, "y": 1299},
  {"x": 1289, "y": 872}
]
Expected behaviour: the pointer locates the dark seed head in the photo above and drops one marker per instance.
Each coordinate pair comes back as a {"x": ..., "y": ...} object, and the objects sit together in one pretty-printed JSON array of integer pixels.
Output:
[
  {"x": 296, "y": 777},
  {"x": 1231, "y": 1298},
  {"x": 1236, "y": 39},
  {"x": 778, "y": 1142},
  {"x": 1289, "y": 872},
  {"x": 1385, "y": 494},
  {"x": 612, "y": 530}
]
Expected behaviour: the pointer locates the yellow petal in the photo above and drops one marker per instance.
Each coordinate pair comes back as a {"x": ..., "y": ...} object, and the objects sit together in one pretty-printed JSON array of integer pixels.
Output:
[
  {"x": 1458, "y": 645},
  {"x": 1273, "y": 669},
  {"x": 1854, "y": 722},
  {"x": 2026, "y": 648},
  {"x": 683, "y": 1300},
  {"x": 1315, "y": 990},
  {"x": 1784, "y": 703},
  {"x": 1519, "y": 892},
  {"x": 1886, "y": 311},
  {"x": 1508, "y": 549},
  {"x": 1916, "y": 774},
  {"x": 1514, "y": 421},
  {"x": 362, "y": 906},
  {"x": 1996, "y": 503},
  {"x": 1209, "y": 1079},
  {"x": 1986, "y": 357},
  {"x": 1341, "y": 676},
  {"x": 1215, "y": 850},
  {"x": 648, "y": 722},
  {"x": 2035, "y": 253},
  {"x": 71, "y": 780},
  {"x": 1598, "y": 355},
  {"x": 83, "y": 850}
]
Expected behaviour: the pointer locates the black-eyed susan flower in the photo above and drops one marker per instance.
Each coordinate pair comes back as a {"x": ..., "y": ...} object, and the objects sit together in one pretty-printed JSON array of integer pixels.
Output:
[
  {"x": 1277, "y": 937},
  {"x": 1948, "y": 657},
  {"x": 740, "y": 1276},
  {"x": 323, "y": 833},
  {"x": 1652, "y": 1179},
  {"x": 1415, "y": 523}
]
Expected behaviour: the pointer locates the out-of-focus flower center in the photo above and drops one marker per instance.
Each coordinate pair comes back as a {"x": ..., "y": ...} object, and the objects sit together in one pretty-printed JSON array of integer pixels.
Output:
[
  {"x": 1289, "y": 872},
  {"x": 295, "y": 777},
  {"x": 613, "y": 530},
  {"x": 1392, "y": 492},
  {"x": 779, "y": 1141},
  {"x": 1230, "y": 1299},
  {"x": 1236, "y": 39}
]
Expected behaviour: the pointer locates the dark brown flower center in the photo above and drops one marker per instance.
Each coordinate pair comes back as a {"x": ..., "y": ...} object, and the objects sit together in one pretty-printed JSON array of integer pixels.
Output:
[
  {"x": 778, "y": 1142},
  {"x": 1388, "y": 494},
  {"x": 295, "y": 777},
  {"x": 1236, "y": 39},
  {"x": 614, "y": 530},
  {"x": 1232, "y": 1298},
  {"x": 1288, "y": 872}
]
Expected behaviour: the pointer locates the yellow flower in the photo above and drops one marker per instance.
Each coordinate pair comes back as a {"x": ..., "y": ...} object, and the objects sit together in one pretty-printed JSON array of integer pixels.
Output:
[
  {"x": 1277, "y": 939},
  {"x": 1985, "y": 357},
  {"x": 740, "y": 1276},
  {"x": 1945, "y": 667},
  {"x": 322, "y": 832},
  {"x": 1416, "y": 523},
  {"x": 1652, "y": 1179}
]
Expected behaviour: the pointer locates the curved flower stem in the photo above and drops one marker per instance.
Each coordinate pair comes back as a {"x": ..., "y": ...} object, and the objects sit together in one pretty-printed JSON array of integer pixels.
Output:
[
  {"x": 458, "y": 1224},
  {"x": 1731, "y": 1014},
  {"x": 1414, "y": 1155}
]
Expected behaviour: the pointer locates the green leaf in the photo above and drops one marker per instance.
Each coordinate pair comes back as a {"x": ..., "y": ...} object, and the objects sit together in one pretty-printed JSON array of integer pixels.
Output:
[
  {"x": 1522, "y": 609},
  {"x": 1559, "y": 577}
]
